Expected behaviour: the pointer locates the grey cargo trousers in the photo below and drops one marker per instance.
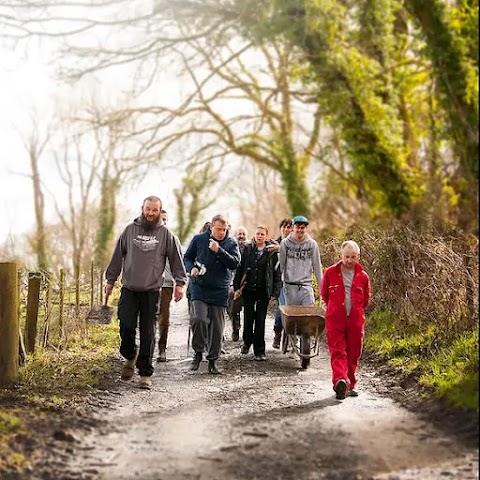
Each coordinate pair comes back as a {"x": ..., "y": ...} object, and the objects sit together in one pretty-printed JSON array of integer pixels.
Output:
[{"x": 208, "y": 323}]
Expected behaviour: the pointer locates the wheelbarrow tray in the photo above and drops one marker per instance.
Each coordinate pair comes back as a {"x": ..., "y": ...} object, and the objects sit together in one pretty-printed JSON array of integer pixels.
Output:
[{"x": 303, "y": 319}]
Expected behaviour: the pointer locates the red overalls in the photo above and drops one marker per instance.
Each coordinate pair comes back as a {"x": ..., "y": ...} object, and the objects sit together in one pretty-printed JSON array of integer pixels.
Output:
[{"x": 345, "y": 334}]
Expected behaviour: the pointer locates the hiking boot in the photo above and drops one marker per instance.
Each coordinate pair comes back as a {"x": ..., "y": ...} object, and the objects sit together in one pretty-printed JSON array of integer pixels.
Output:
[
  {"x": 260, "y": 358},
  {"x": 212, "y": 368},
  {"x": 278, "y": 336},
  {"x": 128, "y": 368},
  {"x": 195, "y": 365},
  {"x": 145, "y": 383},
  {"x": 162, "y": 356},
  {"x": 340, "y": 389},
  {"x": 244, "y": 350},
  {"x": 235, "y": 336},
  {"x": 352, "y": 393}
]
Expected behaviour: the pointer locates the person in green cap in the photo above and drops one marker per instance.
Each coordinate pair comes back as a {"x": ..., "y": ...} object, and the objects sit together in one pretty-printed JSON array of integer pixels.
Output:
[{"x": 299, "y": 259}]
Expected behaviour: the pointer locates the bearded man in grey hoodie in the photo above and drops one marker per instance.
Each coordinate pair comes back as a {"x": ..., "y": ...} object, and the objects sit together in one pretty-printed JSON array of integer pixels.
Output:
[
  {"x": 299, "y": 259},
  {"x": 141, "y": 253}
]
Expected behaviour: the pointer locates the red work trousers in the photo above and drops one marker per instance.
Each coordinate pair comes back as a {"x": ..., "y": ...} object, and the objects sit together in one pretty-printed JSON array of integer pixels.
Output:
[{"x": 345, "y": 341}]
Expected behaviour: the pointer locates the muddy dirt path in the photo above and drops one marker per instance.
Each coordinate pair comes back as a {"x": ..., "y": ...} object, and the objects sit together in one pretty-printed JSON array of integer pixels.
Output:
[{"x": 260, "y": 420}]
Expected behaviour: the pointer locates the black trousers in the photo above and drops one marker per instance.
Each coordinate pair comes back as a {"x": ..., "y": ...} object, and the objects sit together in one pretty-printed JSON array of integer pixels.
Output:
[
  {"x": 138, "y": 308},
  {"x": 255, "y": 305}
]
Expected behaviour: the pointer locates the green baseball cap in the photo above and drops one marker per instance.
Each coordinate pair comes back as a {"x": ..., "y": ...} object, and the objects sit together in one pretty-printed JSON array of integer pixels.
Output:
[{"x": 299, "y": 219}]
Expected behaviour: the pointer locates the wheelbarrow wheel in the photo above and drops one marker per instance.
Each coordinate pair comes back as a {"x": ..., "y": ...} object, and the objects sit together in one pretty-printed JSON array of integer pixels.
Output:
[{"x": 305, "y": 349}]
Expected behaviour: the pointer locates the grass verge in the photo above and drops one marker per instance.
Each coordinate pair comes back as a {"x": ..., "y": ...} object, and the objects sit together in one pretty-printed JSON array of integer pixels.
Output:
[
  {"x": 449, "y": 366},
  {"x": 53, "y": 380}
]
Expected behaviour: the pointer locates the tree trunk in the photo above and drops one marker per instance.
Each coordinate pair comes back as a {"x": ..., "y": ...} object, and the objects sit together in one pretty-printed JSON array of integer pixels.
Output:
[
  {"x": 39, "y": 204},
  {"x": 447, "y": 55},
  {"x": 296, "y": 189},
  {"x": 372, "y": 163},
  {"x": 450, "y": 63},
  {"x": 106, "y": 220},
  {"x": 194, "y": 197}
]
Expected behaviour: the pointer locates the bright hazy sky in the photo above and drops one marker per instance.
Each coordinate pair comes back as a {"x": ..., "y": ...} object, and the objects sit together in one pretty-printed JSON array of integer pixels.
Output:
[
  {"x": 23, "y": 83},
  {"x": 27, "y": 83}
]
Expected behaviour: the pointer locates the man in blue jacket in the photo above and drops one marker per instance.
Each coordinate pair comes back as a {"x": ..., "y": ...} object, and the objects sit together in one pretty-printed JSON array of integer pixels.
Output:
[{"x": 209, "y": 258}]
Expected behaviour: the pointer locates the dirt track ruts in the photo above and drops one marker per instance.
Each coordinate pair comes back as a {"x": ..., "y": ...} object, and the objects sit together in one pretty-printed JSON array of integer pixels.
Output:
[{"x": 260, "y": 420}]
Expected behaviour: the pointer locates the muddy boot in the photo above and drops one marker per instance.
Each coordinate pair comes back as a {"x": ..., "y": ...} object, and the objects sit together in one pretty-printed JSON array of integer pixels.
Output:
[
  {"x": 235, "y": 335},
  {"x": 145, "y": 383},
  {"x": 278, "y": 336},
  {"x": 197, "y": 359},
  {"x": 162, "y": 356},
  {"x": 162, "y": 344},
  {"x": 129, "y": 368},
  {"x": 212, "y": 368}
]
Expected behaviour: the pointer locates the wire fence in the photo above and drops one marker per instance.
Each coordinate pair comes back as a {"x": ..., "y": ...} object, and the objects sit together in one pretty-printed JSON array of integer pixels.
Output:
[{"x": 53, "y": 305}]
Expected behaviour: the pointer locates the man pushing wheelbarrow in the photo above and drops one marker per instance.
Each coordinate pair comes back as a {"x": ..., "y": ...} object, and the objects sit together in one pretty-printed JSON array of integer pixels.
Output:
[{"x": 299, "y": 259}]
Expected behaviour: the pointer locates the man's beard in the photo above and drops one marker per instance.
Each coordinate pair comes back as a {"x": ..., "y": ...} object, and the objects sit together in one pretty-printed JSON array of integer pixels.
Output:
[{"x": 149, "y": 225}]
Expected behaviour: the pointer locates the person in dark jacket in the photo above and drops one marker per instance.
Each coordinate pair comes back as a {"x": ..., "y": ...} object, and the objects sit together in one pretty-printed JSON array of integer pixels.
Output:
[
  {"x": 286, "y": 228},
  {"x": 209, "y": 258},
  {"x": 258, "y": 280},
  {"x": 140, "y": 255},
  {"x": 235, "y": 306}
]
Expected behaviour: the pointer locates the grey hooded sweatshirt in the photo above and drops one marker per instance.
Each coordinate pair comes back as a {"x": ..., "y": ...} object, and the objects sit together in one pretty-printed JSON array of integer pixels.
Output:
[
  {"x": 298, "y": 260},
  {"x": 141, "y": 256},
  {"x": 167, "y": 277}
]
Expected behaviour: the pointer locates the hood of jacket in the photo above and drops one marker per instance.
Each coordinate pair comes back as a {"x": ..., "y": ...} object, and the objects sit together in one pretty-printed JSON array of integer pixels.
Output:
[{"x": 291, "y": 238}]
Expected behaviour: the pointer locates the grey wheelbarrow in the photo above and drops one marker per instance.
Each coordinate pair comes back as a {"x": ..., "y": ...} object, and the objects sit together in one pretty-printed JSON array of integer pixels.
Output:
[{"x": 306, "y": 322}]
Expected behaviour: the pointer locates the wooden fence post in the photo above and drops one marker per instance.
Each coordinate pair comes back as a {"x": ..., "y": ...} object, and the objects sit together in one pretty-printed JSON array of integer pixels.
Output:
[
  {"x": 9, "y": 326},
  {"x": 61, "y": 301},
  {"x": 48, "y": 309},
  {"x": 22, "y": 353},
  {"x": 92, "y": 284},
  {"x": 33, "y": 299},
  {"x": 100, "y": 297},
  {"x": 77, "y": 290},
  {"x": 19, "y": 294}
]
